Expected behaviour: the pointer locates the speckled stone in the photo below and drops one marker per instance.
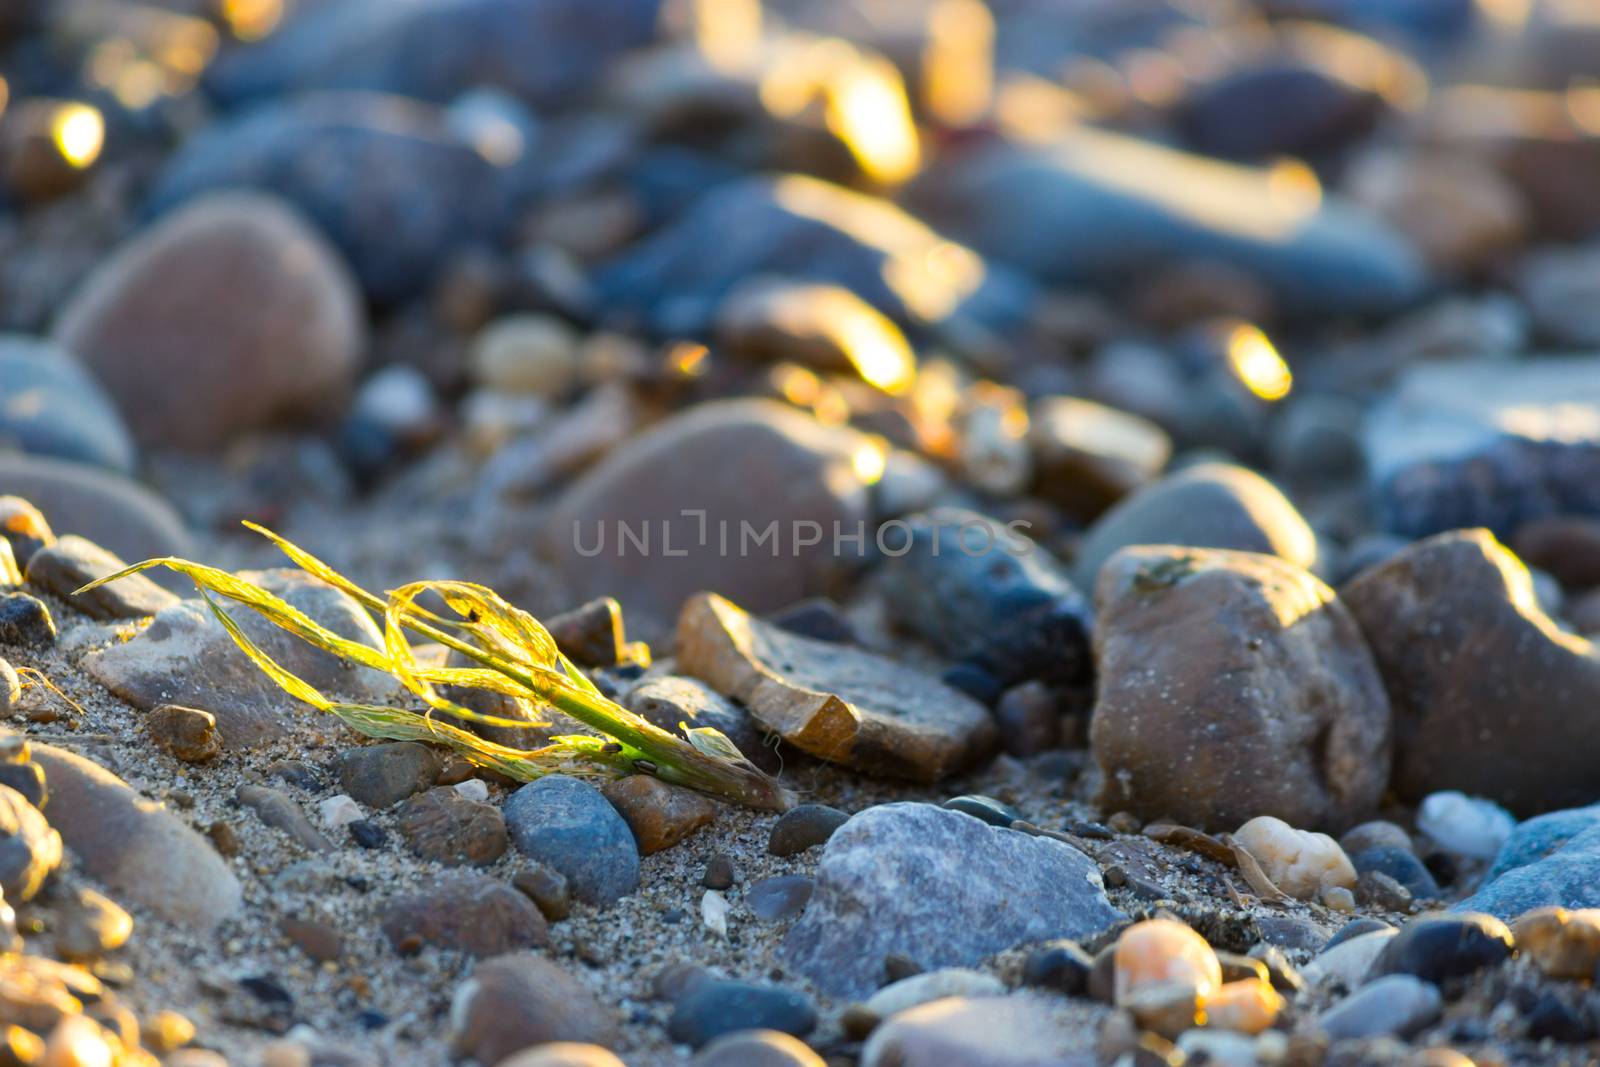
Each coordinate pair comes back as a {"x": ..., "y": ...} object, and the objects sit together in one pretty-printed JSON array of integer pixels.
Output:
[
  {"x": 464, "y": 910},
  {"x": 569, "y": 825},
  {"x": 521, "y": 999}
]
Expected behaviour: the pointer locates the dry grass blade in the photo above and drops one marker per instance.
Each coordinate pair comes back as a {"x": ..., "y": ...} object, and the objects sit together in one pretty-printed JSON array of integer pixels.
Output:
[{"x": 514, "y": 655}]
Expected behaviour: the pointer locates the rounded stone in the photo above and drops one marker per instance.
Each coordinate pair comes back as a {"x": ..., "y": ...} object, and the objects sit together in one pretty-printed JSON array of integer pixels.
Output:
[
  {"x": 231, "y": 315},
  {"x": 563, "y": 1054},
  {"x": 30, "y": 851},
  {"x": 1438, "y": 947},
  {"x": 757, "y": 1048},
  {"x": 517, "y": 1000},
  {"x": 54, "y": 407},
  {"x": 718, "y": 1006},
  {"x": 569, "y": 825},
  {"x": 187, "y": 733},
  {"x": 802, "y": 827},
  {"x": 1299, "y": 862}
]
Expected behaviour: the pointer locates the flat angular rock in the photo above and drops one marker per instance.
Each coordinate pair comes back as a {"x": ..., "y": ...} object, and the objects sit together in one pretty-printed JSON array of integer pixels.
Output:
[
  {"x": 776, "y": 468},
  {"x": 1490, "y": 696},
  {"x": 73, "y": 562},
  {"x": 1102, "y": 209},
  {"x": 277, "y": 810},
  {"x": 140, "y": 851},
  {"x": 1486, "y": 443},
  {"x": 841, "y": 704},
  {"x": 1232, "y": 685},
  {"x": 185, "y": 657},
  {"x": 54, "y": 407},
  {"x": 672, "y": 701},
  {"x": 988, "y": 1031},
  {"x": 908, "y": 879},
  {"x": 444, "y": 826},
  {"x": 466, "y": 911},
  {"x": 660, "y": 815}
]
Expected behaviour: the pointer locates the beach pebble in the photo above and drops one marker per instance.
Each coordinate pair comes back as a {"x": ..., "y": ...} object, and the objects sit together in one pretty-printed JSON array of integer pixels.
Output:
[
  {"x": 187, "y": 733},
  {"x": 1466, "y": 826},
  {"x": 115, "y": 512},
  {"x": 1161, "y": 954},
  {"x": 1087, "y": 456},
  {"x": 720, "y": 1006},
  {"x": 660, "y": 815},
  {"x": 777, "y": 466},
  {"x": 445, "y": 827},
  {"x": 1379, "y": 833},
  {"x": 340, "y": 811},
  {"x": 466, "y": 911},
  {"x": 134, "y": 847},
  {"x": 30, "y": 850},
  {"x": 317, "y": 940},
  {"x": 719, "y": 872},
  {"x": 757, "y": 1048},
  {"x": 1237, "y": 666},
  {"x": 672, "y": 701},
  {"x": 67, "y": 413},
  {"x": 10, "y": 687},
  {"x": 25, "y": 620},
  {"x": 907, "y": 993},
  {"x": 896, "y": 879},
  {"x": 1248, "y": 1006},
  {"x": 72, "y": 561},
  {"x": 964, "y": 1032},
  {"x": 777, "y": 898},
  {"x": 1437, "y": 947},
  {"x": 714, "y": 910},
  {"x": 379, "y": 776},
  {"x": 1402, "y": 866},
  {"x": 804, "y": 826},
  {"x": 569, "y": 825},
  {"x": 1348, "y": 961},
  {"x": 1565, "y": 944},
  {"x": 562, "y": 1054},
  {"x": 547, "y": 888},
  {"x": 1206, "y": 506},
  {"x": 535, "y": 354},
  {"x": 1028, "y": 718},
  {"x": 842, "y": 704},
  {"x": 513, "y": 1001},
  {"x": 277, "y": 809},
  {"x": 1299, "y": 862},
  {"x": 1398, "y": 1004},
  {"x": 230, "y": 315},
  {"x": 992, "y": 811},
  {"x": 18, "y": 771},
  {"x": 1060, "y": 965}
]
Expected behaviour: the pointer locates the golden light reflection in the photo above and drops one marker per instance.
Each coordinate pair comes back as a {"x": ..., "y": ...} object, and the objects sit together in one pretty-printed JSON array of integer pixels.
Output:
[
  {"x": 251, "y": 20},
  {"x": 879, "y": 353},
  {"x": 958, "y": 61},
  {"x": 1257, "y": 363},
  {"x": 868, "y": 110},
  {"x": 78, "y": 132},
  {"x": 142, "y": 58},
  {"x": 687, "y": 359},
  {"x": 5, "y": 94},
  {"x": 796, "y": 384},
  {"x": 870, "y": 460},
  {"x": 727, "y": 32},
  {"x": 1294, "y": 186}
]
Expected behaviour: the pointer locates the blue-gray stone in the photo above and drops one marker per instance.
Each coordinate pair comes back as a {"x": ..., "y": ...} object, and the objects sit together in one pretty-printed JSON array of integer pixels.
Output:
[
  {"x": 388, "y": 181},
  {"x": 806, "y": 230},
  {"x": 568, "y": 824},
  {"x": 1437, "y": 947},
  {"x": 1485, "y": 443},
  {"x": 987, "y": 596},
  {"x": 1101, "y": 209},
  {"x": 1568, "y": 877},
  {"x": 50, "y": 405},
  {"x": 941, "y": 888},
  {"x": 547, "y": 52},
  {"x": 1403, "y": 866},
  {"x": 777, "y": 898},
  {"x": 1542, "y": 835},
  {"x": 1398, "y": 1004},
  {"x": 716, "y": 1007},
  {"x": 992, "y": 811}
]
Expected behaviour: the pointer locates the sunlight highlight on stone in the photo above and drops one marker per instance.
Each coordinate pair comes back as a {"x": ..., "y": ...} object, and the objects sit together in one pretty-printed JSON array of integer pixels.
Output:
[
  {"x": 78, "y": 132},
  {"x": 870, "y": 461},
  {"x": 251, "y": 20},
  {"x": 1257, "y": 363},
  {"x": 868, "y": 110},
  {"x": 727, "y": 32},
  {"x": 958, "y": 62}
]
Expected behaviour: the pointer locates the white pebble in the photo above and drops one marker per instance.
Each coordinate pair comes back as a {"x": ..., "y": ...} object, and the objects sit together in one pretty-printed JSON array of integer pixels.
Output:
[
  {"x": 935, "y": 985},
  {"x": 530, "y": 354},
  {"x": 340, "y": 811},
  {"x": 1219, "y": 1047},
  {"x": 714, "y": 912},
  {"x": 1348, "y": 962},
  {"x": 473, "y": 789},
  {"x": 1299, "y": 862},
  {"x": 1467, "y": 826}
]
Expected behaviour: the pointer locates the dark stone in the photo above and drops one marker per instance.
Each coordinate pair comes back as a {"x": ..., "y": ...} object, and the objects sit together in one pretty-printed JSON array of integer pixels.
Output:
[
  {"x": 384, "y": 774},
  {"x": 25, "y": 620},
  {"x": 73, "y": 562},
  {"x": 278, "y": 811},
  {"x": 1401, "y": 865},
  {"x": 444, "y": 826},
  {"x": 802, "y": 827},
  {"x": 1441, "y": 947},
  {"x": 1551, "y": 1017},
  {"x": 547, "y": 888},
  {"x": 672, "y": 701},
  {"x": 1355, "y": 928},
  {"x": 990, "y": 810},
  {"x": 1059, "y": 965},
  {"x": 987, "y": 595},
  {"x": 468, "y": 911},
  {"x": 591, "y": 634},
  {"x": 67, "y": 414},
  {"x": 569, "y": 825},
  {"x": 718, "y": 1007},
  {"x": 719, "y": 872},
  {"x": 368, "y": 834},
  {"x": 819, "y": 619}
]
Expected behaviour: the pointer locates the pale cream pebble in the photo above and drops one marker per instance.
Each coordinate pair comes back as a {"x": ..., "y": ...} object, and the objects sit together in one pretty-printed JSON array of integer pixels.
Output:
[
  {"x": 1302, "y": 863},
  {"x": 535, "y": 354},
  {"x": 934, "y": 985},
  {"x": 1160, "y": 951},
  {"x": 473, "y": 789},
  {"x": 1247, "y": 1006},
  {"x": 1564, "y": 944},
  {"x": 1338, "y": 898},
  {"x": 340, "y": 811},
  {"x": 1349, "y": 961},
  {"x": 714, "y": 912},
  {"x": 78, "y": 1041}
]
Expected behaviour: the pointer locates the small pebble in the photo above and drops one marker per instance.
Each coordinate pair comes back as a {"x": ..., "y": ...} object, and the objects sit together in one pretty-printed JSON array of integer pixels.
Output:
[
  {"x": 719, "y": 873},
  {"x": 803, "y": 827},
  {"x": 378, "y": 776},
  {"x": 990, "y": 810},
  {"x": 660, "y": 815},
  {"x": 547, "y": 888},
  {"x": 319, "y": 941},
  {"x": 720, "y": 1006},
  {"x": 1438, "y": 947},
  {"x": 25, "y": 620},
  {"x": 1398, "y": 1004},
  {"x": 368, "y": 834},
  {"x": 187, "y": 733},
  {"x": 756, "y": 1048},
  {"x": 1248, "y": 1006},
  {"x": 1467, "y": 826},
  {"x": 1401, "y": 865},
  {"x": 772, "y": 899},
  {"x": 1565, "y": 944},
  {"x": 1059, "y": 965},
  {"x": 91, "y": 925},
  {"x": 714, "y": 912},
  {"x": 339, "y": 811},
  {"x": 1381, "y": 891},
  {"x": 1162, "y": 952},
  {"x": 1299, "y": 862},
  {"x": 475, "y": 789},
  {"x": 1379, "y": 833}
]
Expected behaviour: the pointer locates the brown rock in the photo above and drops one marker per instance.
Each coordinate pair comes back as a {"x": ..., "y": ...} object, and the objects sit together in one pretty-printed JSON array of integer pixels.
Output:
[
  {"x": 773, "y": 466},
  {"x": 444, "y": 826},
  {"x": 839, "y": 703},
  {"x": 1233, "y": 685},
  {"x": 230, "y": 315},
  {"x": 317, "y": 940},
  {"x": 660, "y": 815},
  {"x": 673, "y": 702},
  {"x": 24, "y": 528},
  {"x": 73, "y": 562},
  {"x": 188, "y": 733},
  {"x": 518, "y": 1000},
  {"x": 590, "y": 634},
  {"x": 90, "y": 925},
  {"x": 467, "y": 911},
  {"x": 30, "y": 851},
  {"x": 1087, "y": 456},
  {"x": 1567, "y": 546},
  {"x": 1490, "y": 696},
  {"x": 277, "y": 810},
  {"x": 547, "y": 888}
]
